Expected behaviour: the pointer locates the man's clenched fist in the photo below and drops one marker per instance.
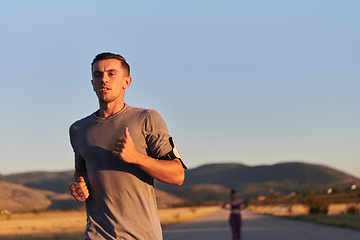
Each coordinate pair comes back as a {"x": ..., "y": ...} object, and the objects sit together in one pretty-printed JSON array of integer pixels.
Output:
[{"x": 79, "y": 190}]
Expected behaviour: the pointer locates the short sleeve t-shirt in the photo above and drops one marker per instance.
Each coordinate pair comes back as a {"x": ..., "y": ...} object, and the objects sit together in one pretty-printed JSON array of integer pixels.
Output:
[{"x": 122, "y": 202}]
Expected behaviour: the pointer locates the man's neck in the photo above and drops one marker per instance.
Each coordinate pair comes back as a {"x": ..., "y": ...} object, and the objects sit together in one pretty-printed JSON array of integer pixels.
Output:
[{"x": 109, "y": 109}]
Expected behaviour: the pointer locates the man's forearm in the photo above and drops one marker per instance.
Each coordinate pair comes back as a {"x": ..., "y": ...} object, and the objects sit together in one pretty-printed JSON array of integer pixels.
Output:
[{"x": 167, "y": 171}]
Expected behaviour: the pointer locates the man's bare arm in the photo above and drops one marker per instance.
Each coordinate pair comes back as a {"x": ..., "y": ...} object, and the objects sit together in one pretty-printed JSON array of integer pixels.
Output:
[{"x": 167, "y": 171}]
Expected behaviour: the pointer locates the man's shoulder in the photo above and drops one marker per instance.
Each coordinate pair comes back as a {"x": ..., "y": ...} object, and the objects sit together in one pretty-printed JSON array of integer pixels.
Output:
[
  {"x": 82, "y": 122},
  {"x": 142, "y": 111},
  {"x": 148, "y": 117}
]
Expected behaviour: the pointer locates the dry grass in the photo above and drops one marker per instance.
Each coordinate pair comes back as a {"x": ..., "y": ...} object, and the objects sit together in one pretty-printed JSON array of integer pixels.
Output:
[
  {"x": 301, "y": 209},
  {"x": 345, "y": 220},
  {"x": 281, "y": 210},
  {"x": 70, "y": 225},
  {"x": 172, "y": 216},
  {"x": 335, "y": 217},
  {"x": 43, "y": 225}
]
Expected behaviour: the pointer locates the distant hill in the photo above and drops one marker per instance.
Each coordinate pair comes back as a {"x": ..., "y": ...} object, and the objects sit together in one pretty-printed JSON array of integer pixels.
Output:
[
  {"x": 165, "y": 199},
  {"x": 58, "y": 182},
  {"x": 251, "y": 181},
  {"x": 211, "y": 182},
  {"x": 38, "y": 191},
  {"x": 18, "y": 198}
]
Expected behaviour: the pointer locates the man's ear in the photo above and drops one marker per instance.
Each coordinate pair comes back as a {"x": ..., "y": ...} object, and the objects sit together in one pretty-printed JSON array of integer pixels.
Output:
[
  {"x": 92, "y": 83},
  {"x": 127, "y": 82}
]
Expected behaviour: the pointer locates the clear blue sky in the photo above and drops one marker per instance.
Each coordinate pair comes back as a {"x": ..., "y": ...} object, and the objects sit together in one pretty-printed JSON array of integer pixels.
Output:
[{"x": 253, "y": 82}]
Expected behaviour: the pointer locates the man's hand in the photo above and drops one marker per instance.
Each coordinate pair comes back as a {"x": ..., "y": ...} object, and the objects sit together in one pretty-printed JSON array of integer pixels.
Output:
[
  {"x": 124, "y": 148},
  {"x": 167, "y": 171},
  {"x": 79, "y": 190}
]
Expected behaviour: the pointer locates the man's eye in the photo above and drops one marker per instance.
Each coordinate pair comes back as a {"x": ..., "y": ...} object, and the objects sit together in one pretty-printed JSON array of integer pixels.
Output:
[{"x": 112, "y": 73}]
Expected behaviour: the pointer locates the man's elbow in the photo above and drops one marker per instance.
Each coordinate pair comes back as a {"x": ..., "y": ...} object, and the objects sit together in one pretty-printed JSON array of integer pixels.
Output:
[
  {"x": 179, "y": 180},
  {"x": 180, "y": 176}
]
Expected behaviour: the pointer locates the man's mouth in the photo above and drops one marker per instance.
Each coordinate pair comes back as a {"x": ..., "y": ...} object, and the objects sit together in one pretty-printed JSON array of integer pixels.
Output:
[{"x": 104, "y": 89}]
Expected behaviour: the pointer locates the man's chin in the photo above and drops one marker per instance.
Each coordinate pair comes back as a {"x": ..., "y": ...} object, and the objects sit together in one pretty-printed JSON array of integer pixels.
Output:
[{"x": 105, "y": 99}]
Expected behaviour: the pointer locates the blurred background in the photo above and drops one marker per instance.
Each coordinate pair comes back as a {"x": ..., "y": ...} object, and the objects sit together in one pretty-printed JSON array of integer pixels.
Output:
[{"x": 251, "y": 82}]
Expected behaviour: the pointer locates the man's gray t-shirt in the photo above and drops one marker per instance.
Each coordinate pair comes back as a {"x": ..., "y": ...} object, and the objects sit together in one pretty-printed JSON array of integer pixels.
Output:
[{"x": 122, "y": 202}]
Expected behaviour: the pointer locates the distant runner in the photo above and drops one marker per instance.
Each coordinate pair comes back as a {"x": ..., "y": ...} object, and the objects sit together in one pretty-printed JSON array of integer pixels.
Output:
[{"x": 235, "y": 205}]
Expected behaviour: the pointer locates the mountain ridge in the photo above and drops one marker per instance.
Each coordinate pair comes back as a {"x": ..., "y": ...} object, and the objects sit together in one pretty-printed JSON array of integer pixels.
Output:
[
  {"x": 251, "y": 181},
  {"x": 213, "y": 181}
]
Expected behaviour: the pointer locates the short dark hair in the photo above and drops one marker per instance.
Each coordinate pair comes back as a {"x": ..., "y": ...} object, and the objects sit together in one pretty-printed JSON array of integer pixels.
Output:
[
  {"x": 109, "y": 55},
  {"x": 233, "y": 191}
]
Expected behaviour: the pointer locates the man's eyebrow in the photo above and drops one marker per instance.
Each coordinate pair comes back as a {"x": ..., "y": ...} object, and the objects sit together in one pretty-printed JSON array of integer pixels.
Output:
[{"x": 111, "y": 70}]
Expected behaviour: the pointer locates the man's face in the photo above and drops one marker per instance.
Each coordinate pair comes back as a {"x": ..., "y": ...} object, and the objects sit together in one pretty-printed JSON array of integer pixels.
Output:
[{"x": 109, "y": 80}]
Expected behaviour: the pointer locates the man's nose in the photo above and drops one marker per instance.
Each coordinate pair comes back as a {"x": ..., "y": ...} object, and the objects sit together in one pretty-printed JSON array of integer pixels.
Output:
[{"x": 104, "y": 78}]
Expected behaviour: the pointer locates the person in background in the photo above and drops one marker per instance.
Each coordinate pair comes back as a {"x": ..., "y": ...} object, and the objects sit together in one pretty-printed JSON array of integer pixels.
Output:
[
  {"x": 119, "y": 151},
  {"x": 235, "y": 205}
]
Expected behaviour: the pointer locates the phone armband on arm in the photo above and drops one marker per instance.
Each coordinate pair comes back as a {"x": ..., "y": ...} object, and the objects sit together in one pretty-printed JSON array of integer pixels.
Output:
[{"x": 173, "y": 154}]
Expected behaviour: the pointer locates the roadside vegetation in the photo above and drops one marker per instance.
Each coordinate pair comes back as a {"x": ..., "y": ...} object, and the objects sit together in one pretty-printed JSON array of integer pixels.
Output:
[
  {"x": 351, "y": 221},
  {"x": 335, "y": 207},
  {"x": 317, "y": 201},
  {"x": 70, "y": 225}
]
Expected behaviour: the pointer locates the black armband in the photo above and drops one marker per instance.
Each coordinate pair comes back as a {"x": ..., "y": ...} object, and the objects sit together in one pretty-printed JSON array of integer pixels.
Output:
[{"x": 173, "y": 154}]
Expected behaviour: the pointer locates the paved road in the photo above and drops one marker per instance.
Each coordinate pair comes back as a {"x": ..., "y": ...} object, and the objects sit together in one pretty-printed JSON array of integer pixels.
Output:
[{"x": 256, "y": 227}]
